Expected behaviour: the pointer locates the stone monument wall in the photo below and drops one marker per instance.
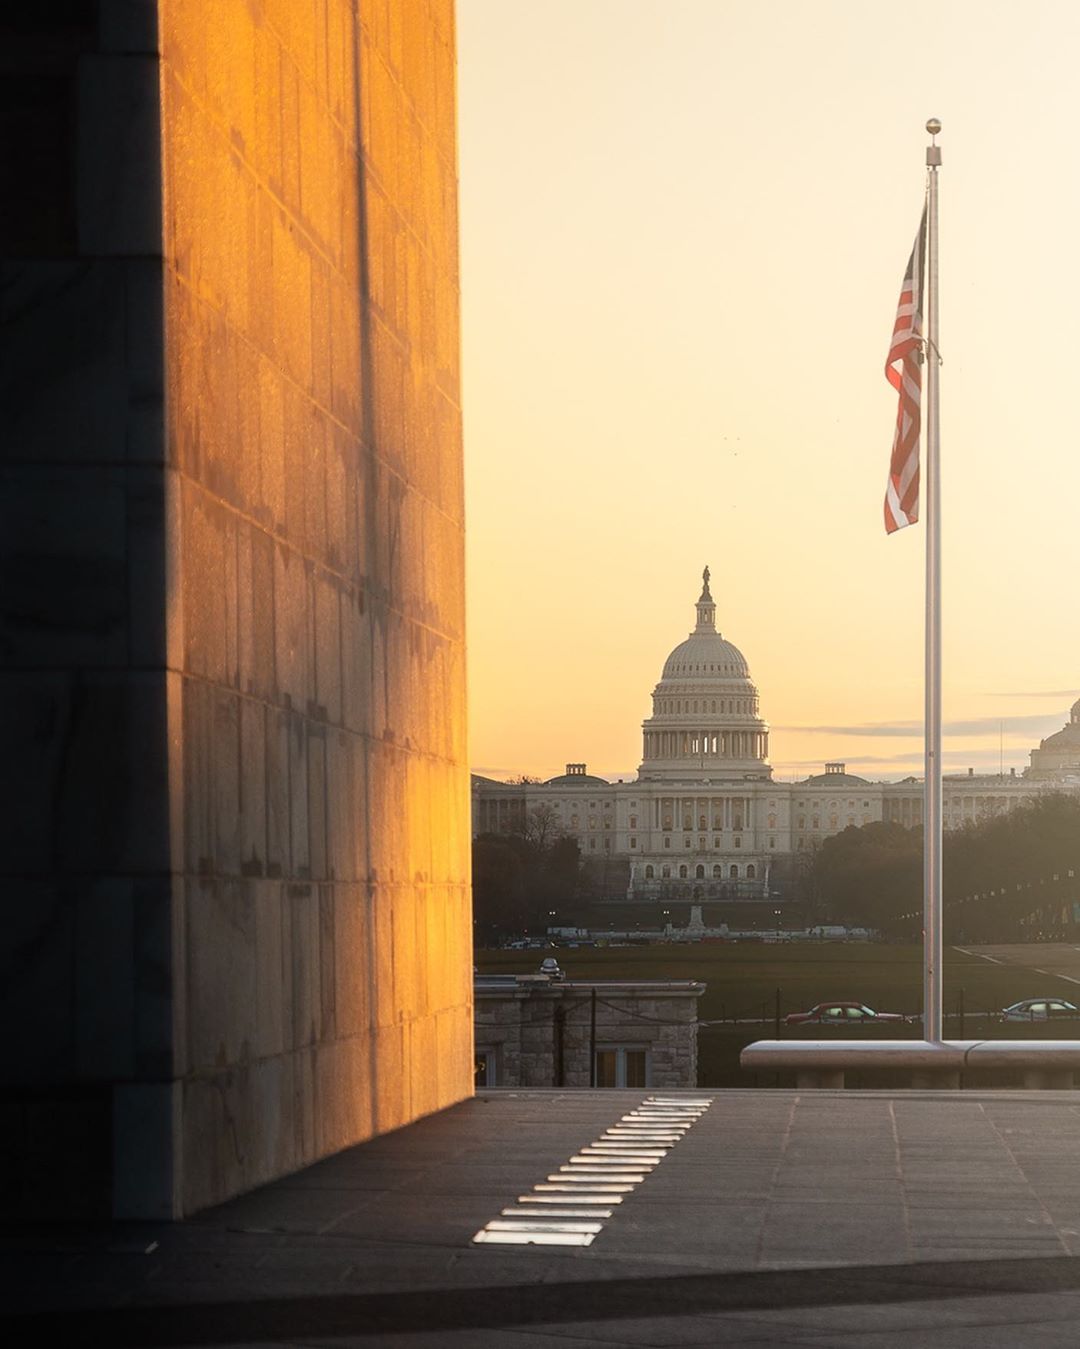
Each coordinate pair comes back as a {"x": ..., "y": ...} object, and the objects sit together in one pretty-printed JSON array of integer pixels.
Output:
[{"x": 240, "y": 927}]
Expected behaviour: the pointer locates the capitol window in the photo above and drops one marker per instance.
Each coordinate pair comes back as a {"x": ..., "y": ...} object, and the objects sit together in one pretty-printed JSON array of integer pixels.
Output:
[
  {"x": 699, "y": 873},
  {"x": 683, "y": 872},
  {"x": 633, "y": 843},
  {"x": 667, "y": 843},
  {"x": 686, "y": 842},
  {"x": 716, "y": 843},
  {"x": 734, "y": 872},
  {"x": 633, "y": 821},
  {"x": 717, "y": 872},
  {"x": 666, "y": 871},
  {"x": 648, "y": 873},
  {"x": 751, "y": 872},
  {"x": 738, "y": 843},
  {"x": 772, "y": 843}
]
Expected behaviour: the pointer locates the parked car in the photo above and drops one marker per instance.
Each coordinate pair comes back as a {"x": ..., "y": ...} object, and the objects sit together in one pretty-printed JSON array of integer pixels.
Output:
[
  {"x": 1040, "y": 1009},
  {"x": 841, "y": 1014}
]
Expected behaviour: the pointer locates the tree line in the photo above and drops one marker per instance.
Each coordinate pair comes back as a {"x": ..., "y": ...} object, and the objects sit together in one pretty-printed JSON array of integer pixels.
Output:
[
  {"x": 1010, "y": 877},
  {"x": 522, "y": 875}
]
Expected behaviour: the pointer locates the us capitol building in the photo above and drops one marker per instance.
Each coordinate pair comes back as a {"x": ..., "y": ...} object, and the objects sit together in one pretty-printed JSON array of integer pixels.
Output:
[{"x": 704, "y": 818}]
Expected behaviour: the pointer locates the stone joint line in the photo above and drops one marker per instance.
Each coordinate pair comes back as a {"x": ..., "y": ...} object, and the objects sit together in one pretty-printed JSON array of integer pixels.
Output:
[{"x": 570, "y": 1207}]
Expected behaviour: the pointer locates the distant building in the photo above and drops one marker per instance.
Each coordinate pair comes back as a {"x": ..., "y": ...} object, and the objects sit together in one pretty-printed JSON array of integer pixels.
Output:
[
  {"x": 536, "y": 1031},
  {"x": 704, "y": 818},
  {"x": 1059, "y": 754}
]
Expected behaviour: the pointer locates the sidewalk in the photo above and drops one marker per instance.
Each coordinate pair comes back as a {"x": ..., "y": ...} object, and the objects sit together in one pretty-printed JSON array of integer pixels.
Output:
[{"x": 777, "y": 1218}]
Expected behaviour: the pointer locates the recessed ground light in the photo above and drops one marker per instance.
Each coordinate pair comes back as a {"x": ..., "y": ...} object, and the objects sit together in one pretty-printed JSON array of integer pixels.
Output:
[
  {"x": 563, "y": 1199},
  {"x": 592, "y": 1180},
  {"x": 614, "y": 1150},
  {"x": 594, "y": 1187},
  {"x": 656, "y": 1135},
  {"x": 570, "y": 1212},
  {"x": 534, "y": 1238},
  {"x": 639, "y": 1116},
  {"x": 605, "y": 1159},
  {"x": 613, "y": 1172},
  {"x": 539, "y": 1225}
]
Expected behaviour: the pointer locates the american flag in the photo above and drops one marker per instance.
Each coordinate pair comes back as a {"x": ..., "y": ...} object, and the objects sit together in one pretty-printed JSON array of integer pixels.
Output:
[{"x": 903, "y": 370}]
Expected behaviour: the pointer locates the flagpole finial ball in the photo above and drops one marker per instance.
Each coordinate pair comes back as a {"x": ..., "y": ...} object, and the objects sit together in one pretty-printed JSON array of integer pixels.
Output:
[{"x": 934, "y": 126}]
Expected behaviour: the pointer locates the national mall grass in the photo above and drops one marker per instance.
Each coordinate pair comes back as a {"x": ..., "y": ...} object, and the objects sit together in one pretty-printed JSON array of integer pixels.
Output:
[{"x": 742, "y": 978}]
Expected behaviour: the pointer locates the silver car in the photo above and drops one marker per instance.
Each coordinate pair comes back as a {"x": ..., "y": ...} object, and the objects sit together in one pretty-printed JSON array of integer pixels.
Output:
[{"x": 1039, "y": 1009}]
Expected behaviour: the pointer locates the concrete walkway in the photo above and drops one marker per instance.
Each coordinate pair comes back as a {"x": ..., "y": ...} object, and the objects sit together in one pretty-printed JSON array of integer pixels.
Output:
[{"x": 778, "y": 1218}]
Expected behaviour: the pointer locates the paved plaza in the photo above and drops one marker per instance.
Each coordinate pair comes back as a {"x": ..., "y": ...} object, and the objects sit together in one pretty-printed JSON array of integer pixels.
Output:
[{"x": 772, "y": 1218}]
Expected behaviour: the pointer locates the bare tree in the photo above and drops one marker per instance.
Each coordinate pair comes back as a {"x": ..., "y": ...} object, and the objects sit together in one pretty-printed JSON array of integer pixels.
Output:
[{"x": 542, "y": 827}]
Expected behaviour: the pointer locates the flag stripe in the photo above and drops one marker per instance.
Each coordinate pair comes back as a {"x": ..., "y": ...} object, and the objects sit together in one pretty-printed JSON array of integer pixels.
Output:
[{"x": 903, "y": 370}]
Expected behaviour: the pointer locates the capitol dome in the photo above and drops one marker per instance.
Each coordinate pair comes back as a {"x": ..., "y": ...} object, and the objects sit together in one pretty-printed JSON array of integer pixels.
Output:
[
  {"x": 1060, "y": 752},
  {"x": 705, "y": 654},
  {"x": 705, "y": 724}
]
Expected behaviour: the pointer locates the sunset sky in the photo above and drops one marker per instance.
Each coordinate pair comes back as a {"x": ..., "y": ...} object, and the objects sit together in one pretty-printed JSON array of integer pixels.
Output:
[{"x": 684, "y": 225}]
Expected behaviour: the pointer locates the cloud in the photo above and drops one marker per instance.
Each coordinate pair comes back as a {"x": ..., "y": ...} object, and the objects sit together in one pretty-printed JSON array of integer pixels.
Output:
[
  {"x": 1036, "y": 724},
  {"x": 1069, "y": 694},
  {"x": 874, "y": 728}
]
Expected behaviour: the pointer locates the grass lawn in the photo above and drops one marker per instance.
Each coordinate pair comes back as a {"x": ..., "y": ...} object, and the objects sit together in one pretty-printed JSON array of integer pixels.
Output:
[
  {"x": 741, "y": 982},
  {"x": 744, "y": 977}
]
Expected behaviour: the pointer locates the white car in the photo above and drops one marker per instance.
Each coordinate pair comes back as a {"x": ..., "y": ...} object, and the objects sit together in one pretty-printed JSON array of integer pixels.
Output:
[{"x": 1040, "y": 1009}]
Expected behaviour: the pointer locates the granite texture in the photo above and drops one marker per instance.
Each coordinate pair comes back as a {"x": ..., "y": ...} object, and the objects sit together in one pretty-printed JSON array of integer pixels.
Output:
[{"x": 232, "y": 636}]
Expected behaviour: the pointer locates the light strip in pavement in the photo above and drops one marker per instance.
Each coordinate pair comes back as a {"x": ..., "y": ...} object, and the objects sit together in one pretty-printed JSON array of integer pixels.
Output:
[
  {"x": 606, "y": 1150},
  {"x": 556, "y": 1225},
  {"x": 593, "y": 1187},
  {"x": 556, "y": 1212},
  {"x": 564, "y": 1199},
  {"x": 486, "y": 1237},
  {"x": 612, "y": 1172},
  {"x": 648, "y": 1135},
  {"x": 596, "y": 1178},
  {"x": 614, "y": 1163},
  {"x": 592, "y": 1181}
]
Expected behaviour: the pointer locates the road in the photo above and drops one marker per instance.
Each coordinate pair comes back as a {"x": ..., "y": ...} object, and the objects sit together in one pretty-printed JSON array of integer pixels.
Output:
[{"x": 1056, "y": 960}]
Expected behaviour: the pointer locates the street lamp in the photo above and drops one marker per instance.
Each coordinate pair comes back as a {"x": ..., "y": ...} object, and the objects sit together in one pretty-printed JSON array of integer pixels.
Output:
[{"x": 776, "y": 915}]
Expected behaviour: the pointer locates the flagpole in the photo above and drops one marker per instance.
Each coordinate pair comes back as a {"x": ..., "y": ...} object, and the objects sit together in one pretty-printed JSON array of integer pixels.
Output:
[{"x": 932, "y": 821}]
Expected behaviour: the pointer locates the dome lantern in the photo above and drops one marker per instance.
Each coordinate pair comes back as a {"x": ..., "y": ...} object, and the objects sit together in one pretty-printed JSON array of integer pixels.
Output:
[{"x": 706, "y": 608}]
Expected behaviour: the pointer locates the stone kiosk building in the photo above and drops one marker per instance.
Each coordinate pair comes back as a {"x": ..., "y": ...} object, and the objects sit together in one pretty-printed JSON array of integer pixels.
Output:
[{"x": 536, "y": 1031}]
